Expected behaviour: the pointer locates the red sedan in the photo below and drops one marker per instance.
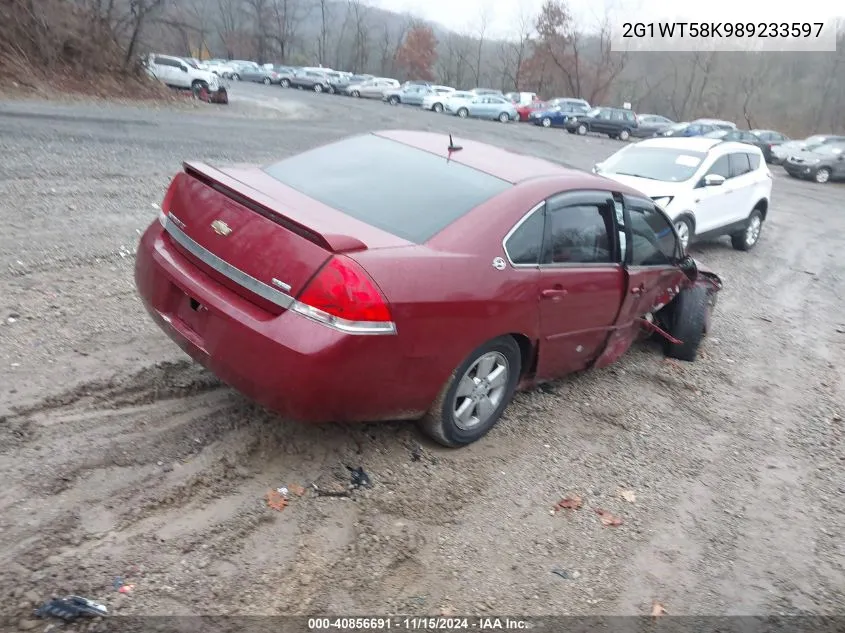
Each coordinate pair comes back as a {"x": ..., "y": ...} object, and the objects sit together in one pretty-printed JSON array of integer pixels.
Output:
[
  {"x": 397, "y": 275},
  {"x": 524, "y": 111}
]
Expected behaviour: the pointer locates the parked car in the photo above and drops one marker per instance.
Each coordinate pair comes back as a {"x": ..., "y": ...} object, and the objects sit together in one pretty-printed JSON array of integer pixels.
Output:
[
  {"x": 736, "y": 136},
  {"x": 220, "y": 67},
  {"x": 257, "y": 74},
  {"x": 767, "y": 140},
  {"x": 687, "y": 130},
  {"x": 559, "y": 111},
  {"x": 283, "y": 75},
  {"x": 522, "y": 98},
  {"x": 373, "y": 88},
  {"x": 410, "y": 94},
  {"x": 178, "y": 73},
  {"x": 242, "y": 67},
  {"x": 542, "y": 291},
  {"x": 615, "y": 122},
  {"x": 341, "y": 84},
  {"x": 781, "y": 152},
  {"x": 717, "y": 123},
  {"x": 415, "y": 83},
  {"x": 650, "y": 124},
  {"x": 494, "y": 107},
  {"x": 316, "y": 80},
  {"x": 436, "y": 97},
  {"x": 822, "y": 163},
  {"x": 525, "y": 111},
  {"x": 452, "y": 100},
  {"x": 708, "y": 187}
]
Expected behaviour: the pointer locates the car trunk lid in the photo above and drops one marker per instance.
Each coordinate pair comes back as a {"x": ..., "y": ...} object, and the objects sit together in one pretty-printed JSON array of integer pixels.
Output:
[{"x": 260, "y": 239}]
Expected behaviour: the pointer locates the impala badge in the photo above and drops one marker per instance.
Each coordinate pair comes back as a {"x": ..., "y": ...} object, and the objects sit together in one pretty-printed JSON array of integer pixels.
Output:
[{"x": 221, "y": 228}]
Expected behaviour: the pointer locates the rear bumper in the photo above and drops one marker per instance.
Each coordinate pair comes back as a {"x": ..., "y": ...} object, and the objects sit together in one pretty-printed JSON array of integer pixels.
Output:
[
  {"x": 800, "y": 171},
  {"x": 288, "y": 363}
]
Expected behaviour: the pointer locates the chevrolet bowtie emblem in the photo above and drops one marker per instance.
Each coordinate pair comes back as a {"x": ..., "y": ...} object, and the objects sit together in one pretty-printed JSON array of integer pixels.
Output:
[{"x": 221, "y": 228}]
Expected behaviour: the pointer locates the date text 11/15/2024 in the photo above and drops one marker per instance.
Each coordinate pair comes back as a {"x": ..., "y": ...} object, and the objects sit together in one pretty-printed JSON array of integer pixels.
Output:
[{"x": 405, "y": 623}]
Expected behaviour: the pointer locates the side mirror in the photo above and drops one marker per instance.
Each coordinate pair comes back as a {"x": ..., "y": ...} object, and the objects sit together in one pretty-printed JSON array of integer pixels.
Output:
[
  {"x": 184, "y": 69},
  {"x": 597, "y": 168},
  {"x": 714, "y": 180}
]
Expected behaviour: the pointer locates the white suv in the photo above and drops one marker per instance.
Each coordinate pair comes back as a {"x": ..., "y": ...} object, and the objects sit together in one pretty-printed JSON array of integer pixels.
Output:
[
  {"x": 178, "y": 73},
  {"x": 707, "y": 186}
]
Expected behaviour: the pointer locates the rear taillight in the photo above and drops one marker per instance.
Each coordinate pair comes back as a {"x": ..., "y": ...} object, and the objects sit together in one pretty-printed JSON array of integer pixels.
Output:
[{"x": 343, "y": 296}]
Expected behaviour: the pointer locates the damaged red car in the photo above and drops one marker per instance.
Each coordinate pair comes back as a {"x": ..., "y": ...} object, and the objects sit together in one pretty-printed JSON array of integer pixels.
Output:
[{"x": 409, "y": 276}]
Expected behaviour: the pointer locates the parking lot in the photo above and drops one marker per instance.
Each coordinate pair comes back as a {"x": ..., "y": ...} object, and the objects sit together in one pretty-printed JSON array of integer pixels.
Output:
[{"x": 122, "y": 458}]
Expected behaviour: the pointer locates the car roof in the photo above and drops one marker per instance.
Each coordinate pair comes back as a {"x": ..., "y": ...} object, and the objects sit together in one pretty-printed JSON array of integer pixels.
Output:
[
  {"x": 498, "y": 162},
  {"x": 695, "y": 144}
]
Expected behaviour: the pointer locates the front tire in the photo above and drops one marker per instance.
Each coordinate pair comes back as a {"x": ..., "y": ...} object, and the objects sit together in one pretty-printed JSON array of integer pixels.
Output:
[
  {"x": 748, "y": 238},
  {"x": 285, "y": 83},
  {"x": 547, "y": 122},
  {"x": 582, "y": 129},
  {"x": 437, "y": 107},
  {"x": 463, "y": 113},
  {"x": 236, "y": 76},
  {"x": 687, "y": 322},
  {"x": 267, "y": 81},
  {"x": 504, "y": 117},
  {"x": 685, "y": 231},
  {"x": 393, "y": 101},
  {"x": 624, "y": 135},
  {"x": 822, "y": 175},
  {"x": 476, "y": 394},
  {"x": 318, "y": 88},
  {"x": 356, "y": 94}
]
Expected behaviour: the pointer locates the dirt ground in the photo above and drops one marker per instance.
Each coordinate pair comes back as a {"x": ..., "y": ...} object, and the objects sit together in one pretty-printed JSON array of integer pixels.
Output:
[{"x": 119, "y": 457}]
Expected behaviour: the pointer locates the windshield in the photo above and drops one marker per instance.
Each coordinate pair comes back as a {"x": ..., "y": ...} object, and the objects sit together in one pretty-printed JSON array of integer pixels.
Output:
[
  {"x": 828, "y": 149},
  {"x": 654, "y": 163},
  {"x": 818, "y": 139},
  {"x": 716, "y": 134},
  {"x": 594, "y": 112}
]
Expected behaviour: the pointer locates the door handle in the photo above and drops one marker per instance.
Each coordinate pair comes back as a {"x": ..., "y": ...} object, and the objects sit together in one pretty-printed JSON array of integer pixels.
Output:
[
  {"x": 555, "y": 294},
  {"x": 637, "y": 289}
]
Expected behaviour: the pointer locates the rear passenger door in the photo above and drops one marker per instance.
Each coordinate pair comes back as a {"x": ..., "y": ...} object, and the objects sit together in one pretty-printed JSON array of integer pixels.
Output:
[
  {"x": 742, "y": 185},
  {"x": 581, "y": 281}
]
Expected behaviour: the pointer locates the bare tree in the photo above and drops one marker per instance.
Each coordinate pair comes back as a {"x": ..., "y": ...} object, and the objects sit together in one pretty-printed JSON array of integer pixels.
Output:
[
  {"x": 288, "y": 15},
  {"x": 389, "y": 43},
  {"x": 479, "y": 34},
  {"x": 323, "y": 38},
  {"x": 514, "y": 52},
  {"x": 361, "y": 37}
]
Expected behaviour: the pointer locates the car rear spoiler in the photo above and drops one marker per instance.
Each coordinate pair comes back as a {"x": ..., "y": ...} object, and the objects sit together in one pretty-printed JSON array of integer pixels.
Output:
[{"x": 269, "y": 208}]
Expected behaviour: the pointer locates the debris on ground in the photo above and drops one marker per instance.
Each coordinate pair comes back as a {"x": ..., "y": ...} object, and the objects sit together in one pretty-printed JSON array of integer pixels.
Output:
[
  {"x": 607, "y": 519},
  {"x": 296, "y": 489},
  {"x": 416, "y": 452},
  {"x": 71, "y": 608},
  {"x": 657, "y": 610},
  {"x": 330, "y": 492},
  {"x": 121, "y": 586},
  {"x": 282, "y": 491},
  {"x": 359, "y": 478},
  {"x": 276, "y": 500},
  {"x": 562, "y": 573},
  {"x": 568, "y": 503},
  {"x": 628, "y": 495}
]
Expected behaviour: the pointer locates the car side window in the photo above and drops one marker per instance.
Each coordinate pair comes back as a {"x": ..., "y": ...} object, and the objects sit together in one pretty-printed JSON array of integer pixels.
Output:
[
  {"x": 721, "y": 167},
  {"x": 617, "y": 115},
  {"x": 630, "y": 117},
  {"x": 525, "y": 243},
  {"x": 739, "y": 164},
  {"x": 653, "y": 241},
  {"x": 753, "y": 161},
  {"x": 578, "y": 232}
]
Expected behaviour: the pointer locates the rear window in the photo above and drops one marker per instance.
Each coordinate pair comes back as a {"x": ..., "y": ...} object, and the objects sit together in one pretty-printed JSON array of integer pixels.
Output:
[{"x": 400, "y": 189}]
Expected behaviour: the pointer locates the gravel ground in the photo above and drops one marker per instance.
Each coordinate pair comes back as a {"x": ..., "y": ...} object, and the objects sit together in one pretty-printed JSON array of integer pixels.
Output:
[{"x": 120, "y": 457}]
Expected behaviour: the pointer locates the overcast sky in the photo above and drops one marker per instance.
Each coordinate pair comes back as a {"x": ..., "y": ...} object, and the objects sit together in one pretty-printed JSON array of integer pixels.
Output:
[{"x": 464, "y": 15}]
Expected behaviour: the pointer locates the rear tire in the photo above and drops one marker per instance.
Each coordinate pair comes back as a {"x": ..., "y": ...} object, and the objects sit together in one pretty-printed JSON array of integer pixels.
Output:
[
  {"x": 463, "y": 113},
  {"x": 504, "y": 117},
  {"x": 393, "y": 101},
  {"x": 463, "y": 388},
  {"x": 356, "y": 94},
  {"x": 624, "y": 135},
  {"x": 236, "y": 76},
  {"x": 547, "y": 122},
  {"x": 747, "y": 239},
  {"x": 687, "y": 320},
  {"x": 437, "y": 107},
  {"x": 582, "y": 129},
  {"x": 318, "y": 88},
  {"x": 285, "y": 83},
  {"x": 822, "y": 175},
  {"x": 267, "y": 81}
]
